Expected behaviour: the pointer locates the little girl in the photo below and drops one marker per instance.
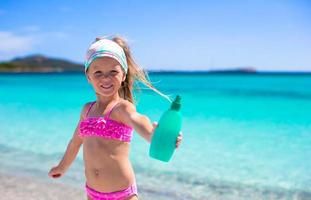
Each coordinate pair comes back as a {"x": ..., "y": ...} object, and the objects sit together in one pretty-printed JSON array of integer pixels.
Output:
[{"x": 106, "y": 125}]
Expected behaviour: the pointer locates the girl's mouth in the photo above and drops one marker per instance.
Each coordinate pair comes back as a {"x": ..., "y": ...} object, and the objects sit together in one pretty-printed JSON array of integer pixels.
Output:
[{"x": 106, "y": 87}]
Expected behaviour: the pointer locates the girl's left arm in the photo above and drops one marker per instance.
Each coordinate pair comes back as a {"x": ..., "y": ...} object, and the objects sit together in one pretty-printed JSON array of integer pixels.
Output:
[{"x": 141, "y": 123}]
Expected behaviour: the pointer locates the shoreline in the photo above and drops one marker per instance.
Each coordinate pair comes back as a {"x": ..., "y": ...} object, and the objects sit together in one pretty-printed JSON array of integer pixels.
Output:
[
  {"x": 32, "y": 188},
  {"x": 22, "y": 186}
]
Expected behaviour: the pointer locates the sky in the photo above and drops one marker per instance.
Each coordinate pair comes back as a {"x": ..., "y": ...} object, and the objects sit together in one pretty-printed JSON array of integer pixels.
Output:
[{"x": 269, "y": 35}]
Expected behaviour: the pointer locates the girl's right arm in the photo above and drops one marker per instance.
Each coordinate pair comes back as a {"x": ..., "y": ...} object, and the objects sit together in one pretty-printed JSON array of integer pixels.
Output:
[{"x": 71, "y": 151}]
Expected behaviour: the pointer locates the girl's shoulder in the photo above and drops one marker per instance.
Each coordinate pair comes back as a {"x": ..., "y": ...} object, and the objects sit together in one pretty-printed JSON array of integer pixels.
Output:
[
  {"x": 124, "y": 106},
  {"x": 122, "y": 110},
  {"x": 86, "y": 108}
]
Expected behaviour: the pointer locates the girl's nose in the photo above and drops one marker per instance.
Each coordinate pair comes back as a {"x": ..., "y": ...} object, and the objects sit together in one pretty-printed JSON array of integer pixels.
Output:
[
  {"x": 106, "y": 76},
  {"x": 105, "y": 79}
]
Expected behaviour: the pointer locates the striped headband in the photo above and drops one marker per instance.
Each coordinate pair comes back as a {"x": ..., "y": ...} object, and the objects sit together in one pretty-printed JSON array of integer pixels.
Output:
[{"x": 106, "y": 48}]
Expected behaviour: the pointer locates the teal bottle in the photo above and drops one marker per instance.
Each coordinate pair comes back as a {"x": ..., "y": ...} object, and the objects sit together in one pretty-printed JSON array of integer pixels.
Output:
[{"x": 163, "y": 142}]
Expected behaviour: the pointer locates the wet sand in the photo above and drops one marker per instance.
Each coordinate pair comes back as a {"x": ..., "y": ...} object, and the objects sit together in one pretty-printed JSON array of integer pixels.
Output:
[{"x": 32, "y": 188}]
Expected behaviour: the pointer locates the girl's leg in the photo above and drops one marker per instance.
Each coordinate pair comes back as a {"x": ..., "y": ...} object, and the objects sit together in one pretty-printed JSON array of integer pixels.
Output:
[{"x": 89, "y": 198}]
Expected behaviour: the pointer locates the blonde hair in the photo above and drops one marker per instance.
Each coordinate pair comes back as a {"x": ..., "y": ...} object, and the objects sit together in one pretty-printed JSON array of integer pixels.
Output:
[{"x": 134, "y": 73}]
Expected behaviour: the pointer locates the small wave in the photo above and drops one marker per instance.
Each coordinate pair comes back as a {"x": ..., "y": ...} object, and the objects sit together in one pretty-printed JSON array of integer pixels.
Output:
[
  {"x": 169, "y": 185},
  {"x": 205, "y": 188}
]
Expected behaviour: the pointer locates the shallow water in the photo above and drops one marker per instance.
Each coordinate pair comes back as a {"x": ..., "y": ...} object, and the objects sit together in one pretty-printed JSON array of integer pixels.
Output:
[{"x": 245, "y": 136}]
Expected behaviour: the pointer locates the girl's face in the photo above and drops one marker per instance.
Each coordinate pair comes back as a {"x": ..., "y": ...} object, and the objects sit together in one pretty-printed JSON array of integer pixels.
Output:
[{"x": 106, "y": 75}]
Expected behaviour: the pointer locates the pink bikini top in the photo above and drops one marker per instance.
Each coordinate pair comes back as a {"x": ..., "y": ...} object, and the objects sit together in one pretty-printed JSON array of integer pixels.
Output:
[{"x": 105, "y": 127}]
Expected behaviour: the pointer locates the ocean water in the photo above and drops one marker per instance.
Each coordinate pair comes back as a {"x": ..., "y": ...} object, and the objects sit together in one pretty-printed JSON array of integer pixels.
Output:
[{"x": 245, "y": 136}]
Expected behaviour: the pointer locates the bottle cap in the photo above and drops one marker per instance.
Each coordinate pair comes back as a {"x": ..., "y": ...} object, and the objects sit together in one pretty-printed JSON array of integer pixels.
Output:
[{"x": 176, "y": 103}]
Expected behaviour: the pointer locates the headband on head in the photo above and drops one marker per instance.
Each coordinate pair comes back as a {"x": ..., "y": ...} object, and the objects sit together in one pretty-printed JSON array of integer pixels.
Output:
[{"x": 105, "y": 48}]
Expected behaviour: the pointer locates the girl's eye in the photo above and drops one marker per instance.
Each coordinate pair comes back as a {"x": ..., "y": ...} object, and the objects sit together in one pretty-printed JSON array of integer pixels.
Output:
[
  {"x": 114, "y": 72},
  {"x": 97, "y": 72}
]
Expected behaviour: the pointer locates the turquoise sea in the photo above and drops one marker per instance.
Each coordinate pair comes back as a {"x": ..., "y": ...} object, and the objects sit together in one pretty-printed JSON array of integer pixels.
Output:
[{"x": 245, "y": 136}]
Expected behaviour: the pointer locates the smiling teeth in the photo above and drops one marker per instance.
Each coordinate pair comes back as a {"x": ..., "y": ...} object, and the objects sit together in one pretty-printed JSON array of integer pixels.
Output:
[{"x": 106, "y": 87}]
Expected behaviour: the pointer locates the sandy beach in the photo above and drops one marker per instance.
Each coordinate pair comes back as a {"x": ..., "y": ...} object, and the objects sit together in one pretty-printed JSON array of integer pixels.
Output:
[
  {"x": 31, "y": 188},
  {"x": 20, "y": 187}
]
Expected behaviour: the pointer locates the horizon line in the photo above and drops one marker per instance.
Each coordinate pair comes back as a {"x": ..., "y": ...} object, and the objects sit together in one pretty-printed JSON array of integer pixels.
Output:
[{"x": 220, "y": 69}]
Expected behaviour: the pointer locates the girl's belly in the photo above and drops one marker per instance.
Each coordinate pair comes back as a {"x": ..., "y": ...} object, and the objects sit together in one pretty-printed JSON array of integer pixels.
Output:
[{"x": 107, "y": 166}]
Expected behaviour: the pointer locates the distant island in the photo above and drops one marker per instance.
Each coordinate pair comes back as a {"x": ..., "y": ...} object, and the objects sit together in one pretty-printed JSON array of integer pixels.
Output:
[
  {"x": 40, "y": 64},
  {"x": 43, "y": 64}
]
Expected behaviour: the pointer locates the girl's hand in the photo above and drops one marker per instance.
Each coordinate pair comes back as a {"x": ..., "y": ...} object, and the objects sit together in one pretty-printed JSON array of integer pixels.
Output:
[
  {"x": 179, "y": 138},
  {"x": 56, "y": 172}
]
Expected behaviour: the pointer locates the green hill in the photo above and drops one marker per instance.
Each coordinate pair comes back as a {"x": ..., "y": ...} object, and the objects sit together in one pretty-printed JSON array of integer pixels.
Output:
[{"x": 40, "y": 63}]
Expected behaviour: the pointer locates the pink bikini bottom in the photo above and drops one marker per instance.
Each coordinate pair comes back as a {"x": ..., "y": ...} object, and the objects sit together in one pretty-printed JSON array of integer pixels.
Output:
[{"x": 119, "y": 195}]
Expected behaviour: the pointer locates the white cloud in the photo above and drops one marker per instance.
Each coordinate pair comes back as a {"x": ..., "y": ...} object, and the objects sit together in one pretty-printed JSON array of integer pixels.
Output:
[
  {"x": 27, "y": 39},
  {"x": 11, "y": 44}
]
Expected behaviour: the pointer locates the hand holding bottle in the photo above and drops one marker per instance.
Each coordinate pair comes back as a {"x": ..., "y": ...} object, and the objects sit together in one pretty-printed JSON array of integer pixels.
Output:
[
  {"x": 179, "y": 138},
  {"x": 166, "y": 135}
]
